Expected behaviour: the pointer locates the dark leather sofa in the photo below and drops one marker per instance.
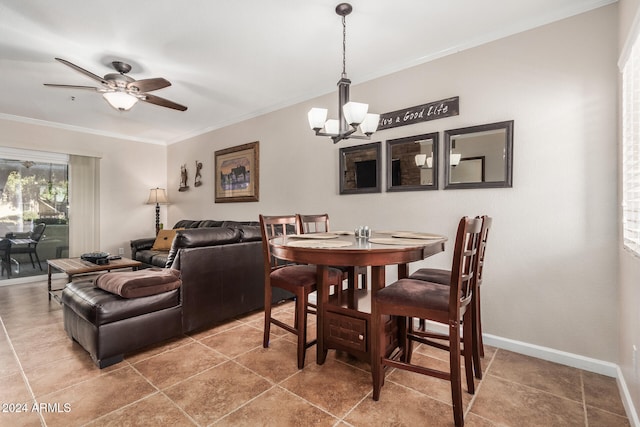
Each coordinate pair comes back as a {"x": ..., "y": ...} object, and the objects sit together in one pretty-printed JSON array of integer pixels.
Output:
[
  {"x": 221, "y": 268},
  {"x": 141, "y": 248}
]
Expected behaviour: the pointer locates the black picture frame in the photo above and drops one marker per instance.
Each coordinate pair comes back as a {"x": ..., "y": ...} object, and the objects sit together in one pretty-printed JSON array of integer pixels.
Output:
[
  {"x": 469, "y": 143},
  {"x": 403, "y": 166},
  {"x": 360, "y": 168}
]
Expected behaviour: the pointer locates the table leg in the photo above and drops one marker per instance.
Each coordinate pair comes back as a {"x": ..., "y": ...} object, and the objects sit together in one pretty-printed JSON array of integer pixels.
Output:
[
  {"x": 377, "y": 277},
  {"x": 321, "y": 302},
  {"x": 49, "y": 280},
  {"x": 375, "y": 329},
  {"x": 403, "y": 271}
]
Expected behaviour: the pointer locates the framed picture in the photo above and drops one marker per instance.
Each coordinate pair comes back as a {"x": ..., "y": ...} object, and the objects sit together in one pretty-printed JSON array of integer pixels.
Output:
[{"x": 237, "y": 173}]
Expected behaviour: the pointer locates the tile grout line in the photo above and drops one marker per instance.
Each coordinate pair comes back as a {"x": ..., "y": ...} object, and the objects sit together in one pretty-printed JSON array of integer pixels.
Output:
[
  {"x": 22, "y": 373},
  {"x": 158, "y": 391},
  {"x": 480, "y": 383},
  {"x": 584, "y": 400}
]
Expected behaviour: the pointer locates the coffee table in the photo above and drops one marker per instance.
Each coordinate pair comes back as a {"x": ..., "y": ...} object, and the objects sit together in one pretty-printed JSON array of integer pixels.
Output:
[{"x": 75, "y": 266}]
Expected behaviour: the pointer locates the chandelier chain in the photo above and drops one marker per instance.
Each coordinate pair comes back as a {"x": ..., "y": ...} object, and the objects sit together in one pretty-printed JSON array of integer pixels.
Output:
[{"x": 344, "y": 46}]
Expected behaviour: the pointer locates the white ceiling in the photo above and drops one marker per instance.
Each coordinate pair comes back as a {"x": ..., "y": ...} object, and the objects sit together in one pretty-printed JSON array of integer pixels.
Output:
[{"x": 229, "y": 60}]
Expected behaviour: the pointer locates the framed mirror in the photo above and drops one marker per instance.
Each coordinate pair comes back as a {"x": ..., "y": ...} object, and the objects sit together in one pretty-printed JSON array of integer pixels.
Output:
[
  {"x": 412, "y": 163},
  {"x": 479, "y": 156},
  {"x": 360, "y": 169}
]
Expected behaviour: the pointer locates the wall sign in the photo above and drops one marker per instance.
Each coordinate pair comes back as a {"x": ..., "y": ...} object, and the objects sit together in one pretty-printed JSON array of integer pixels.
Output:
[{"x": 421, "y": 113}]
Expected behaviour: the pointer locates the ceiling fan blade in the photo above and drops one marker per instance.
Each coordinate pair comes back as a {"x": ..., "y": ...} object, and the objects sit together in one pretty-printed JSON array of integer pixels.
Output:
[
  {"x": 83, "y": 71},
  {"x": 73, "y": 87},
  {"x": 148, "y": 85},
  {"x": 162, "y": 102}
]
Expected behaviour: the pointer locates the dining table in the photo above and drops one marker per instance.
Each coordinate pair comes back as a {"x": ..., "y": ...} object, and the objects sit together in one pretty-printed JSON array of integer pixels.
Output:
[
  {"x": 6, "y": 243},
  {"x": 344, "y": 316}
]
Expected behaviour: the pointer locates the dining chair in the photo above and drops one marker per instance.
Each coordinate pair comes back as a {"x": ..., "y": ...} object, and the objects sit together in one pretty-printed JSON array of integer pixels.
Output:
[
  {"x": 5, "y": 257},
  {"x": 445, "y": 304},
  {"x": 300, "y": 280},
  {"x": 31, "y": 246},
  {"x": 319, "y": 223},
  {"x": 443, "y": 276}
]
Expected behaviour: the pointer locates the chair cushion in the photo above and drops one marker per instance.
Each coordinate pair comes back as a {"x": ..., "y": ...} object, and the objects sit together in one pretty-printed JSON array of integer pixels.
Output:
[
  {"x": 291, "y": 276},
  {"x": 142, "y": 283},
  {"x": 435, "y": 275},
  {"x": 415, "y": 293}
]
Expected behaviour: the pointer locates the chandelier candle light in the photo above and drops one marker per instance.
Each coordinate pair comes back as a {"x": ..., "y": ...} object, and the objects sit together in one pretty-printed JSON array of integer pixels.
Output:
[
  {"x": 350, "y": 114},
  {"x": 422, "y": 161}
]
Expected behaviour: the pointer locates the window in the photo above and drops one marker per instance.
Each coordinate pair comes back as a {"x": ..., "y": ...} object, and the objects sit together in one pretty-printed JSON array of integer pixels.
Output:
[
  {"x": 631, "y": 148},
  {"x": 33, "y": 190}
]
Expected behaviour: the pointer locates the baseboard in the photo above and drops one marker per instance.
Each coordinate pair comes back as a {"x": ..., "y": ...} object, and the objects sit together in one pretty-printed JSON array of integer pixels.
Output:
[
  {"x": 31, "y": 279},
  {"x": 568, "y": 359},
  {"x": 629, "y": 407},
  {"x": 545, "y": 353},
  {"x": 574, "y": 360}
]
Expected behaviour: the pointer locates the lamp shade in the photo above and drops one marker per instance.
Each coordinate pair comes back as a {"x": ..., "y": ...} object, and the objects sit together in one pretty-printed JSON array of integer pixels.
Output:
[
  {"x": 420, "y": 159},
  {"x": 120, "y": 100},
  {"x": 355, "y": 112},
  {"x": 370, "y": 124},
  {"x": 332, "y": 127},
  {"x": 158, "y": 196},
  {"x": 317, "y": 117},
  {"x": 454, "y": 159}
]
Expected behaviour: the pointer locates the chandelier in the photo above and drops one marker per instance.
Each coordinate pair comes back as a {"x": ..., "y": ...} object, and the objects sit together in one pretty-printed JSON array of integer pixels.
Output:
[{"x": 351, "y": 115}]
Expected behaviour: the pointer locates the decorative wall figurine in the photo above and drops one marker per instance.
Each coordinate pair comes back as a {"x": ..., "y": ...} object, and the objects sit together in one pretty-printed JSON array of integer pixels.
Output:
[
  {"x": 198, "y": 178},
  {"x": 184, "y": 176}
]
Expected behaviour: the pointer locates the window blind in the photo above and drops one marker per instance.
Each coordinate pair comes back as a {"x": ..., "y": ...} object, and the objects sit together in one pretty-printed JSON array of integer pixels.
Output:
[{"x": 631, "y": 149}]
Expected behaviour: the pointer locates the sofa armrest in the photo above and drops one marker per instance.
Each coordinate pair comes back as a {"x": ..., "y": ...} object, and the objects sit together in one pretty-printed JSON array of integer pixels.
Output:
[{"x": 141, "y": 245}]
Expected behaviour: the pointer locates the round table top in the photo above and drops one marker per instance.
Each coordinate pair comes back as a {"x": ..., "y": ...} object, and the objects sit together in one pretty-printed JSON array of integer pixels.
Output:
[{"x": 347, "y": 250}]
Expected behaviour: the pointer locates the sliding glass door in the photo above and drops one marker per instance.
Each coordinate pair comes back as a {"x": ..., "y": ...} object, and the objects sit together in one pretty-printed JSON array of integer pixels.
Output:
[{"x": 34, "y": 194}]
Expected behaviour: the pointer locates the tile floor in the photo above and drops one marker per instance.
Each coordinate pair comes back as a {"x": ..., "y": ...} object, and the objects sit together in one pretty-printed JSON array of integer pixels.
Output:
[{"x": 222, "y": 376}]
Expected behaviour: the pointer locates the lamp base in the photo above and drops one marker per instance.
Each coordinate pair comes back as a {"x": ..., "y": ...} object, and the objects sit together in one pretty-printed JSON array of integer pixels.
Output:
[{"x": 157, "y": 218}]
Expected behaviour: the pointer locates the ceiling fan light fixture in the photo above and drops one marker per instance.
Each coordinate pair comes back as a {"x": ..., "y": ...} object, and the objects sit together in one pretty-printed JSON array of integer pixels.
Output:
[{"x": 121, "y": 101}]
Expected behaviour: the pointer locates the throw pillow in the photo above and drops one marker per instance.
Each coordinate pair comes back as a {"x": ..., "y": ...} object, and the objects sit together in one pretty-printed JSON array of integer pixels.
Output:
[
  {"x": 164, "y": 239},
  {"x": 141, "y": 283}
]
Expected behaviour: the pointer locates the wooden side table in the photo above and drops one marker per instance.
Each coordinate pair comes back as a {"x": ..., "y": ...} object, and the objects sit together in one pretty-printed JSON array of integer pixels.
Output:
[{"x": 75, "y": 266}]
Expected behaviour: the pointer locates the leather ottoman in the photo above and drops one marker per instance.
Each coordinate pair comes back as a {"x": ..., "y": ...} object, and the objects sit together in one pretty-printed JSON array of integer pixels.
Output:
[{"x": 108, "y": 326}]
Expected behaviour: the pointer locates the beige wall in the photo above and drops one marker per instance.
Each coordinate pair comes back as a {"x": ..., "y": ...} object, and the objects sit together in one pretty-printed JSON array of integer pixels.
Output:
[
  {"x": 127, "y": 171},
  {"x": 551, "y": 275},
  {"x": 629, "y": 298},
  {"x": 551, "y": 271}
]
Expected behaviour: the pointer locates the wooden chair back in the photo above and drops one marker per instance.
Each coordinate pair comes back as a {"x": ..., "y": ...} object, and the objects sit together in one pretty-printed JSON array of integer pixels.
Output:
[
  {"x": 272, "y": 226},
  {"x": 487, "y": 222},
  {"x": 314, "y": 223},
  {"x": 465, "y": 259}
]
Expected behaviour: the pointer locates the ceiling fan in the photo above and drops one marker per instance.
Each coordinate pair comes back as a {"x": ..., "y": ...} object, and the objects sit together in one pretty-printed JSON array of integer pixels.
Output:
[{"x": 121, "y": 91}]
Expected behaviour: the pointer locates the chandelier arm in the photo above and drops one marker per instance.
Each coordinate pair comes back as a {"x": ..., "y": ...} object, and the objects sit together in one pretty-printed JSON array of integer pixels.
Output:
[{"x": 339, "y": 138}]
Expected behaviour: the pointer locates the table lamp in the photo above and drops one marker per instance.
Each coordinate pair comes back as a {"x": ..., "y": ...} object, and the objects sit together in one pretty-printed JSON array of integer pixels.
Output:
[{"x": 158, "y": 196}]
